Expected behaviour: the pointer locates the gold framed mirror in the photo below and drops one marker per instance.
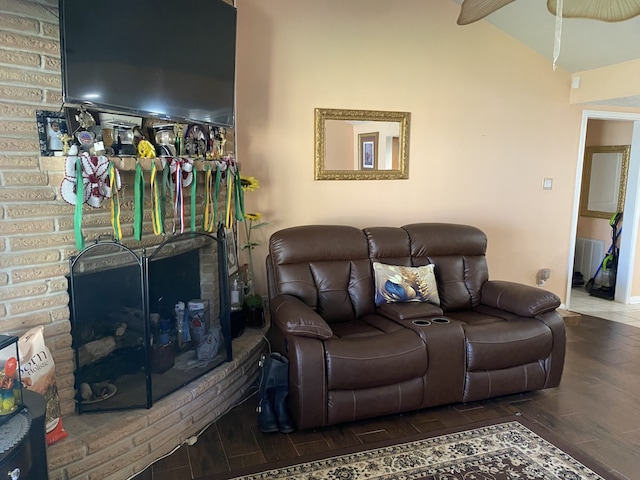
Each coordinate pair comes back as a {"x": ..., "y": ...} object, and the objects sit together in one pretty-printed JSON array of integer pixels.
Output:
[
  {"x": 361, "y": 144},
  {"x": 604, "y": 180}
]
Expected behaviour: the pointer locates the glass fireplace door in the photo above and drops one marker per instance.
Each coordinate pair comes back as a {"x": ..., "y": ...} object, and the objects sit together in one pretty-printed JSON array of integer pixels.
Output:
[{"x": 143, "y": 326}]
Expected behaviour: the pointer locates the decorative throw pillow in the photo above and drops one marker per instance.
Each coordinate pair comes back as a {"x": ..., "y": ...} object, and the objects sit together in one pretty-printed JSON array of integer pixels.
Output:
[{"x": 395, "y": 283}]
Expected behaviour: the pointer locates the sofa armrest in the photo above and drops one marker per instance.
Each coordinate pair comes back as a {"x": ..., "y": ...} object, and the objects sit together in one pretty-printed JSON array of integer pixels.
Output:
[
  {"x": 295, "y": 317},
  {"x": 523, "y": 300}
]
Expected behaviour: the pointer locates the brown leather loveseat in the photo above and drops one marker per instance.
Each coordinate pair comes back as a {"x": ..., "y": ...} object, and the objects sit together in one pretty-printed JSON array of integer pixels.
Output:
[{"x": 353, "y": 357}]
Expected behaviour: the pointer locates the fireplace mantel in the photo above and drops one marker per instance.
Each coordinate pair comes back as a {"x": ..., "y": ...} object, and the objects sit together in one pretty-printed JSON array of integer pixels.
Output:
[{"x": 128, "y": 164}]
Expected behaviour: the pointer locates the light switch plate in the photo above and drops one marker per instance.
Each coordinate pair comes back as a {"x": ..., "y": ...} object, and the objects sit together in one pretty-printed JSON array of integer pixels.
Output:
[{"x": 547, "y": 183}]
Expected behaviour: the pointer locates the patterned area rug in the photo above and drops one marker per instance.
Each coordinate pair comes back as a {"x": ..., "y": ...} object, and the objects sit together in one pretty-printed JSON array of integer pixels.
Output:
[{"x": 505, "y": 450}]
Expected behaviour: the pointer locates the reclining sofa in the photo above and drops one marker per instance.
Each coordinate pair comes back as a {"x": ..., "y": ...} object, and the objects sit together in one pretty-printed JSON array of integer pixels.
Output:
[{"x": 368, "y": 333}]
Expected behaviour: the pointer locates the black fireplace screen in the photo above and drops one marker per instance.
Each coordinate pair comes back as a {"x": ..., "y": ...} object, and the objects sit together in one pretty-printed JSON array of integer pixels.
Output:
[{"x": 144, "y": 325}]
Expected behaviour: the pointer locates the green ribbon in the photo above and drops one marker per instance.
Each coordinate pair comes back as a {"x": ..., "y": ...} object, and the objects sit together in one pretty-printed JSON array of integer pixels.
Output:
[
  {"x": 77, "y": 219},
  {"x": 239, "y": 196},
  {"x": 193, "y": 201},
  {"x": 163, "y": 193},
  {"x": 138, "y": 194}
]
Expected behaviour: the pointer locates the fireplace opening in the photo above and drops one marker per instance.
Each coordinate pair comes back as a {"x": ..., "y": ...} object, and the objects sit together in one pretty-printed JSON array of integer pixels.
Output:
[{"x": 145, "y": 325}]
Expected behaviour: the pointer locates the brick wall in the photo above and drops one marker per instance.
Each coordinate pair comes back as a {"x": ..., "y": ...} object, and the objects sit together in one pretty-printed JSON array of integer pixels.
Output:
[{"x": 36, "y": 229}]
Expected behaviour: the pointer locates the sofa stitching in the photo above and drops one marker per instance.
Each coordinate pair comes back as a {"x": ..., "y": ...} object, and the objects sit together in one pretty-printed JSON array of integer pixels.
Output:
[
  {"x": 316, "y": 330},
  {"x": 508, "y": 342},
  {"x": 421, "y": 348}
]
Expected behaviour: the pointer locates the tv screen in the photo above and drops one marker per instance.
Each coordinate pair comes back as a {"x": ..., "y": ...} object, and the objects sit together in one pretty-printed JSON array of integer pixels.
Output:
[{"x": 165, "y": 58}]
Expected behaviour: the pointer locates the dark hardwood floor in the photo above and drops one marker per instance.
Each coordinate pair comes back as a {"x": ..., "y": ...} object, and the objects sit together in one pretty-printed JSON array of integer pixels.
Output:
[{"x": 595, "y": 409}]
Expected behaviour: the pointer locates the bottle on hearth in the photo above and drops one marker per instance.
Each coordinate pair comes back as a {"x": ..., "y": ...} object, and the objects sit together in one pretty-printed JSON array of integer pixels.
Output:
[{"x": 236, "y": 292}]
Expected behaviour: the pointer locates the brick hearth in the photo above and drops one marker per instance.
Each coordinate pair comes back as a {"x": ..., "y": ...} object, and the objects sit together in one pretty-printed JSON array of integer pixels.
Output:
[{"x": 116, "y": 445}]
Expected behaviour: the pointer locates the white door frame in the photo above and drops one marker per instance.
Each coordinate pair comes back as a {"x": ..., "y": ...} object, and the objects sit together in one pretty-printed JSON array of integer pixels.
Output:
[{"x": 631, "y": 217}]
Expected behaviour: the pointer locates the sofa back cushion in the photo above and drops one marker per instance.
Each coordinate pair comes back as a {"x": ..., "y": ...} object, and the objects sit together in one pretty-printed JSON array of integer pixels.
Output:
[
  {"x": 326, "y": 266},
  {"x": 389, "y": 245},
  {"x": 329, "y": 266},
  {"x": 458, "y": 253}
]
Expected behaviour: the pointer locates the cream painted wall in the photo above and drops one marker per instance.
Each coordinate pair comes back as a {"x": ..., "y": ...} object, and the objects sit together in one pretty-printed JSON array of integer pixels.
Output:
[
  {"x": 489, "y": 120},
  {"x": 613, "y": 81}
]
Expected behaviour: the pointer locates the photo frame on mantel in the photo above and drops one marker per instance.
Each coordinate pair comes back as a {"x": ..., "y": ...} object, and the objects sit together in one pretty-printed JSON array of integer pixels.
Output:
[
  {"x": 51, "y": 127},
  {"x": 232, "y": 250}
]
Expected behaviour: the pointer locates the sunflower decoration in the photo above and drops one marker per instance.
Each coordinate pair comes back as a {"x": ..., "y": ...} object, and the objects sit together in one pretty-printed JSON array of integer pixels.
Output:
[
  {"x": 249, "y": 184},
  {"x": 252, "y": 221}
]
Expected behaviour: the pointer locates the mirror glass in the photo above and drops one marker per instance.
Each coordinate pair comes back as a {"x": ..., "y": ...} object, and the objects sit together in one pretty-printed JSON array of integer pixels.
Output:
[
  {"x": 604, "y": 180},
  {"x": 361, "y": 144}
]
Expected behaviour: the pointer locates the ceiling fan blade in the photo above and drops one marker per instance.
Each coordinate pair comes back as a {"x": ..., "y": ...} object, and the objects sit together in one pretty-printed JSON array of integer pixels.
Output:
[
  {"x": 605, "y": 10},
  {"x": 474, "y": 10}
]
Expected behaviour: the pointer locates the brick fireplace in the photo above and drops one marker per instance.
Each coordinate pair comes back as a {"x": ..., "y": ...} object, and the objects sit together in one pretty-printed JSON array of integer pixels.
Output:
[{"x": 36, "y": 241}]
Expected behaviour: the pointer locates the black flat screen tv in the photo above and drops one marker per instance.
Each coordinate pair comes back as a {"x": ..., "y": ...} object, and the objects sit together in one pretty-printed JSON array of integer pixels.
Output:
[{"x": 170, "y": 59}]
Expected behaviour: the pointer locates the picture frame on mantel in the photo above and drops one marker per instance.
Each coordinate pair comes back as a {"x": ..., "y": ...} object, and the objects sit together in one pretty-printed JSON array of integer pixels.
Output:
[
  {"x": 368, "y": 150},
  {"x": 232, "y": 250},
  {"x": 51, "y": 127}
]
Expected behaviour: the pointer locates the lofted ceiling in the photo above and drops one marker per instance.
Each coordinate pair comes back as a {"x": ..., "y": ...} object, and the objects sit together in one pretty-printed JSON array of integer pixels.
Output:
[{"x": 585, "y": 44}]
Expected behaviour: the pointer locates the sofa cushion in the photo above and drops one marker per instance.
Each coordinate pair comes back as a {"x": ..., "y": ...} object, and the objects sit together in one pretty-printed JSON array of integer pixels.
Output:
[
  {"x": 374, "y": 361},
  {"x": 494, "y": 344},
  {"x": 396, "y": 283},
  {"x": 458, "y": 253},
  {"x": 389, "y": 245},
  {"x": 365, "y": 326},
  {"x": 326, "y": 266},
  {"x": 409, "y": 311}
]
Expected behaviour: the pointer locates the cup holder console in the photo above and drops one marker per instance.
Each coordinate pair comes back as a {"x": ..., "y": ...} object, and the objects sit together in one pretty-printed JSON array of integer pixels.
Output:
[
  {"x": 425, "y": 323},
  {"x": 440, "y": 320},
  {"x": 421, "y": 323}
]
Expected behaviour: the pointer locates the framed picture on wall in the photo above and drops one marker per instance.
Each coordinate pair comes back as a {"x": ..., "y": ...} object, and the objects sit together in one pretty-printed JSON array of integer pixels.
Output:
[
  {"x": 368, "y": 150},
  {"x": 51, "y": 127}
]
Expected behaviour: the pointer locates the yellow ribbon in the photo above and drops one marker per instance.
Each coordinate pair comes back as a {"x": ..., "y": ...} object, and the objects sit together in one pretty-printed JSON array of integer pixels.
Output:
[
  {"x": 228, "y": 217},
  {"x": 115, "y": 203},
  {"x": 209, "y": 214},
  {"x": 156, "y": 209}
]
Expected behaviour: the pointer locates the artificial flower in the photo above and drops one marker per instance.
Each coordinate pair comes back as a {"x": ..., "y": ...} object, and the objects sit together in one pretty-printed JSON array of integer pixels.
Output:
[
  {"x": 251, "y": 222},
  {"x": 255, "y": 217},
  {"x": 249, "y": 184}
]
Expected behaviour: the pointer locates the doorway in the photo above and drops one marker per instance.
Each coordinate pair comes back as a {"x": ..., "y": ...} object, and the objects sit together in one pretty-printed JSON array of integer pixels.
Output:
[{"x": 624, "y": 292}]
